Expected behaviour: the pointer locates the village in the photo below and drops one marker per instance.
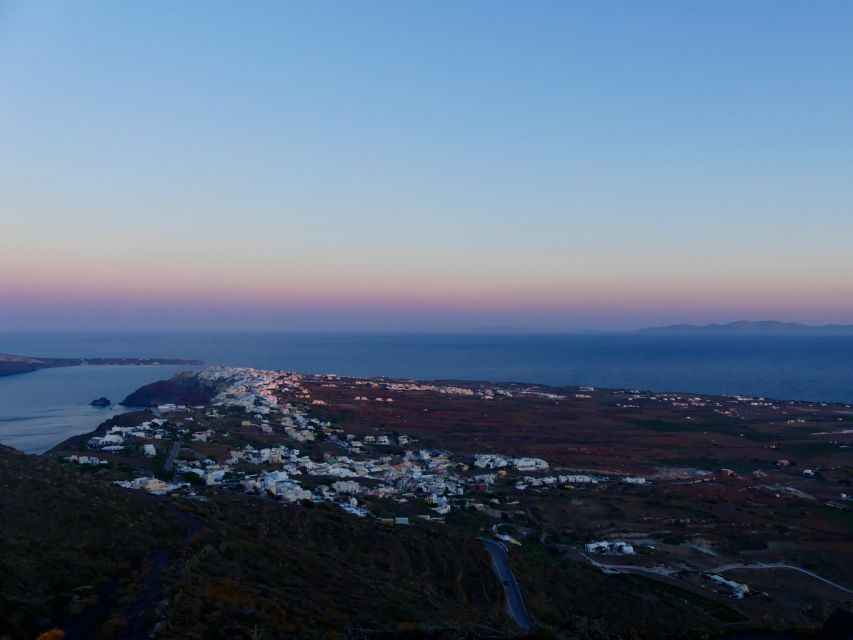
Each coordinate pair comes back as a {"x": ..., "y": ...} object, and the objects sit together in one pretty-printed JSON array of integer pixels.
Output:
[
  {"x": 304, "y": 440},
  {"x": 282, "y": 471}
]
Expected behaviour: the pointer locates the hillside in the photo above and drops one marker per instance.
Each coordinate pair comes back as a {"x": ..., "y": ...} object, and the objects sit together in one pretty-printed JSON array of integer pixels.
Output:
[
  {"x": 87, "y": 557},
  {"x": 72, "y": 546},
  {"x": 182, "y": 388},
  {"x": 95, "y": 561},
  {"x": 315, "y": 506},
  {"x": 10, "y": 364}
]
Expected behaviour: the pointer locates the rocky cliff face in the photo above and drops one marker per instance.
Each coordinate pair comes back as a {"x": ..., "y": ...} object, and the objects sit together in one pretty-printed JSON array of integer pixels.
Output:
[
  {"x": 10, "y": 364},
  {"x": 182, "y": 388}
]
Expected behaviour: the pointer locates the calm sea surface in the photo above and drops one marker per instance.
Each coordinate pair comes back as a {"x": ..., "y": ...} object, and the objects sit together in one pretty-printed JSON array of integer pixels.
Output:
[
  {"x": 38, "y": 410},
  {"x": 41, "y": 409}
]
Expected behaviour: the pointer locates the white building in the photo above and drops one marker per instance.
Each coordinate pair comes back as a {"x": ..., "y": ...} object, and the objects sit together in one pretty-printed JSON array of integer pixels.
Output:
[
  {"x": 739, "y": 590},
  {"x": 530, "y": 464},
  {"x": 607, "y": 546}
]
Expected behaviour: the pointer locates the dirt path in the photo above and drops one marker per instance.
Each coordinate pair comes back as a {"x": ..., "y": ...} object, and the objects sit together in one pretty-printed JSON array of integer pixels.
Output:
[{"x": 138, "y": 624}]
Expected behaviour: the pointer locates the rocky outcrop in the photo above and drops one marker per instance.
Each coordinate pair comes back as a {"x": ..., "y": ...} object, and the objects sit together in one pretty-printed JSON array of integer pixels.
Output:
[{"x": 182, "y": 388}]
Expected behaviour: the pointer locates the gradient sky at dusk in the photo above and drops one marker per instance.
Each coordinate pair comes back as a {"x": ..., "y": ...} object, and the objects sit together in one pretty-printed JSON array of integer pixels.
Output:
[{"x": 424, "y": 166}]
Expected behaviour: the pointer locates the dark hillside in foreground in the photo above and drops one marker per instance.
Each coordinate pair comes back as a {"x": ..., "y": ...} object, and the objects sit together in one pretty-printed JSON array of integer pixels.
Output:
[
  {"x": 70, "y": 543},
  {"x": 94, "y": 560},
  {"x": 306, "y": 572}
]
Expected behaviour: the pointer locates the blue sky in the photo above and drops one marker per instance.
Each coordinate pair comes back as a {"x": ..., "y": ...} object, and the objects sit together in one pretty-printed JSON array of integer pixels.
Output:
[{"x": 424, "y": 165}]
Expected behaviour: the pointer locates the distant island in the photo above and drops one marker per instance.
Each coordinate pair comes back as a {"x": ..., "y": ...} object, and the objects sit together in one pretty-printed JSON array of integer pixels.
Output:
[
  {"x": 12, "y": 364},
  {"x": 502, "y": 328},
  {"x": 753, "y": 328}
]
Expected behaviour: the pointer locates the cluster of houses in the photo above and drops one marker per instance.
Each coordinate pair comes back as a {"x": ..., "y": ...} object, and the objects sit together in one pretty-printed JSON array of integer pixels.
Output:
[
  {"x": 85, "y": 460},
  {"x": 401, "y": 472},
  {"x": 486, "y": 392},
  {"x": 423, "y": 474},
  {"x": 566, "y": 481},
  {"x": 437, "y": 478},
  {"x": 500, "y": 461},
  {"x": 254, "y": 390},
  {"x": 119, "y": 438},
  {"x": 615, "y": 547},
  {"x": 729, "y": 406}
]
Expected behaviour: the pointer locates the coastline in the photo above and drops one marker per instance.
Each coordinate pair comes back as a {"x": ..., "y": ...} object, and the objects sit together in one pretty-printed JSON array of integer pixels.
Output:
[
  {"x": 800, "y": 368},
  {"x": 14, "y": 364},
  {"x": 48, "y": 405},
  {"x": 183, "y": 385}
]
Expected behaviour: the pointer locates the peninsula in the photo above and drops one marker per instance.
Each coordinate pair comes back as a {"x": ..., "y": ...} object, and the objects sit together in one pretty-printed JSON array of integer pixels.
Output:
[{"x": 12, "y": 364}]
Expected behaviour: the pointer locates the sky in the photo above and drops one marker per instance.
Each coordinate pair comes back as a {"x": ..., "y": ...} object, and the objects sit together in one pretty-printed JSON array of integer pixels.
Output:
[{"x": 424, "y": 166}]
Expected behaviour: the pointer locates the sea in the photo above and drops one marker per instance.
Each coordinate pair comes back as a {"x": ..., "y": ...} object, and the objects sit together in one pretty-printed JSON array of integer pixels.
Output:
[{"x": 40, "y": 409}]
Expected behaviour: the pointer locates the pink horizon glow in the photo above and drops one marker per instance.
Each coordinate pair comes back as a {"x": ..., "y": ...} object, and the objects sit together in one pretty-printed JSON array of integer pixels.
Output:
[{"x": 566, "y": 308}]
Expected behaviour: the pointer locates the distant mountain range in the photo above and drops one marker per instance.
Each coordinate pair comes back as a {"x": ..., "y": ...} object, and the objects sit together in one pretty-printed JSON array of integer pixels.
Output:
[{"x": 756, "y": 328}]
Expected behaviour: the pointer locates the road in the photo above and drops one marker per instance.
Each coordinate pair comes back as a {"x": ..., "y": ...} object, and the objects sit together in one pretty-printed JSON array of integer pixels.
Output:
[
  {"x": 773, "y": 565},
  {"x": 669, "y": 572},
  {"x": 170, "y": 459},
  {"x": 514, "y": 602},
  {"x": 627, "y": 568}
]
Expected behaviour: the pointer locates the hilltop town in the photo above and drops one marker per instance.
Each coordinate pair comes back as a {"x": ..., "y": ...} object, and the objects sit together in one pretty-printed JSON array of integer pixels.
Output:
[{"x": 738, "y": 508}]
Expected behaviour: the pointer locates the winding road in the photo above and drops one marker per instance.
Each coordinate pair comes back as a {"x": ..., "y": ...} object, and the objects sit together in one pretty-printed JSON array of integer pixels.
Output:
[
  {"x": 514, "y": 602},
  {"x": 774, "y": 565},
  {"x": 669, "y": 572}
]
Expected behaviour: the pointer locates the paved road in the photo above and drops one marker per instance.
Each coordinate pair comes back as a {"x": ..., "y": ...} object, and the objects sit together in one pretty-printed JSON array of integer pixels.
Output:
[
  {"x": 170, "y": 459},
  {"x": 773, "y": 565},
  {"x": 514, "y": 602},
  {"x": 628, "y": 568},
  {"x": 669, "y": 572}
]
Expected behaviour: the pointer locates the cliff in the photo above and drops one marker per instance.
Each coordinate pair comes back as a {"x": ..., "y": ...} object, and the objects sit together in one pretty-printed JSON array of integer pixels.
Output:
[{"x": 182, "y": 388}]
